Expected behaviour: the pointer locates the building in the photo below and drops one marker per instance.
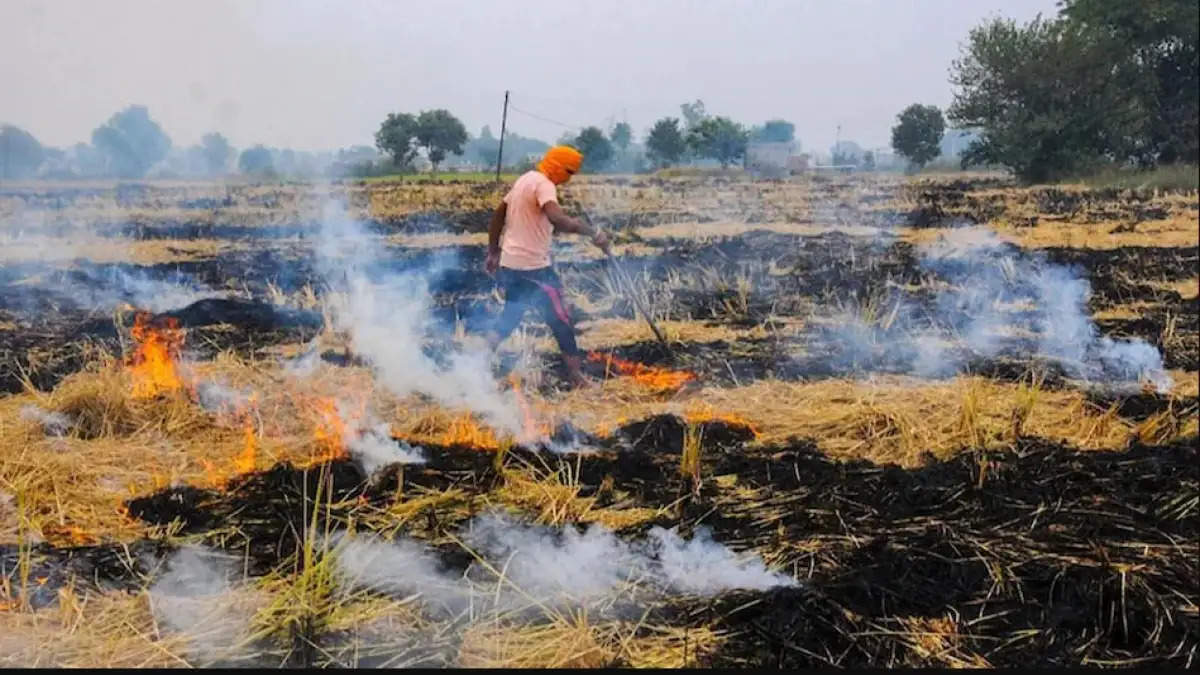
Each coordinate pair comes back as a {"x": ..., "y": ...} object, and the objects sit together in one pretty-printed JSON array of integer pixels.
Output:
[{"x": 774, "y": 159}]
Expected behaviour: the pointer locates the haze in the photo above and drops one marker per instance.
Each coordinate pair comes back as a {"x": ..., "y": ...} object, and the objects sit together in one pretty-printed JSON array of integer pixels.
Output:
[{"x": 322, "y": 75}]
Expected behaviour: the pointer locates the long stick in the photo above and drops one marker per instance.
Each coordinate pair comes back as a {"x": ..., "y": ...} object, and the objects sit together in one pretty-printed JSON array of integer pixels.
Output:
[
  {"x": 619, "y": 272},
  {"x": 624, "y": 279}
]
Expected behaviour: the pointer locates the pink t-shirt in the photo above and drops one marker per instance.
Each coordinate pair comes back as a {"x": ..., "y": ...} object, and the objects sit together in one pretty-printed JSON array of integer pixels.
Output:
[{"x": 525, "y": 241}]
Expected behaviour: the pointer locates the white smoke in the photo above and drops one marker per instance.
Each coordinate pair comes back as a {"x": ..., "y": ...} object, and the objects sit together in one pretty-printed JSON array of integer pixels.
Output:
[
  {"x": 703, "y": 566},
  {"x": 112, "y": 287},
  {"x": 999, "y": 300},
  {"x": 1055, "y": 295},
  {"x": 53, "y": 423},
  {"x": 552, "y": 567},
  {"x": 596, "y": 561},
  {"x": 545, "y": 562},
  {"x": 217, "y": 397},
  {"x": 401, "y": 568},
  {"x": 374, "y": 448},
  {"x": 303, "y": 364},
  {"x": 387, "y": 320},
  {"x": 200, "y": 598}
]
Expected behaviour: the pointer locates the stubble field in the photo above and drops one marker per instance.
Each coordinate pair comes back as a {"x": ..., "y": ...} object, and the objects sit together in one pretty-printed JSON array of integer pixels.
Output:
[{"x": 930, "y": 421}]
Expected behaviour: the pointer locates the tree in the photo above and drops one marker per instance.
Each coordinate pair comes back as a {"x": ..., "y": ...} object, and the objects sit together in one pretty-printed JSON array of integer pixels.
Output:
[
  {"x": 718, "y": 138},
  {"x": 918, "y": 135},
  {"x": 86, "y": 160},
  {"x": 131, "y": 142},
  {"x": 693, "y": 113},
  {"x": 1156, "y": 40},
  {"x": 597, "y": 150},
  {"x": 440, "y": 133},
  {"x": 846, "y": 153},
  {"x": 217, "y": 152},
  {"x": 621, "y": 136},
  {"x": 868, "y": 161},
  {"x": 1102, "y": 83},
  {"x": 256, "y": 160},
  {"x": 397, "y": 137},
  {"x": 486, "y": 146},
  {"x": 665, "y": 144},
  {"x": 20, "y": 153},
  {"x": 775, "y": 131}
]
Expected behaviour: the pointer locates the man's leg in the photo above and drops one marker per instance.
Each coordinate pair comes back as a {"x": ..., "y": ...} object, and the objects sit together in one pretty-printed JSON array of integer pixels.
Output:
[
  {"x": 516, "y": 301},
  {"x": 554, "y": 313}
]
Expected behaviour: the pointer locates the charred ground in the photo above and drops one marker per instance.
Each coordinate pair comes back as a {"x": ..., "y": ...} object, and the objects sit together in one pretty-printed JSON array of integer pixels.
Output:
[{"x": 1006, "y": 545}]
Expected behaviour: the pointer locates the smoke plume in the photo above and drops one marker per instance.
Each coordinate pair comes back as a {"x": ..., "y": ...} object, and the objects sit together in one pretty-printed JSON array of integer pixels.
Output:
[
  {"x": 199, "y": 598},
  {"x": 551, "y": 566},
  {"x": 387, "y": 318},
  {"x": 992, "y": 299},
  {"x": 53, "y": 423}
]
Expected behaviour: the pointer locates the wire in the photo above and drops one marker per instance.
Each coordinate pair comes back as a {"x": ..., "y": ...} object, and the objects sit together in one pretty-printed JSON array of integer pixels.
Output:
[{"x": 544, "y": 119}]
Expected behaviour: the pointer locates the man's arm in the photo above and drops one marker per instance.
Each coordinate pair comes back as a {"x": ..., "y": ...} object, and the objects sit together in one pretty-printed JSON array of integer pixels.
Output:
[
  {"x": 495, "y": 227},
  {"x": 564, "y": 223}
]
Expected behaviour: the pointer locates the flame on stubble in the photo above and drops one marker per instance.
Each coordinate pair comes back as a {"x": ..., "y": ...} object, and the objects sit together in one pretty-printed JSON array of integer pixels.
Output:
[
  {"x": 330, "y": 431},
  {"x": 465, "y": 431},
  {"x": 651, "y": 377},
  {"x": 703, "y": 412},
  {"x": 152, "y": 363}
]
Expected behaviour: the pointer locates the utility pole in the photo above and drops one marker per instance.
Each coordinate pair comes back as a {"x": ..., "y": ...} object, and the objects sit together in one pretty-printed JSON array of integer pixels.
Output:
[{"x": 503, "y": 122}]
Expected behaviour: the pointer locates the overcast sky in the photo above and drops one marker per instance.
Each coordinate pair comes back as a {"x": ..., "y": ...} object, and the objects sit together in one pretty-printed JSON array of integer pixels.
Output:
[{"x": 321, "y": 75}]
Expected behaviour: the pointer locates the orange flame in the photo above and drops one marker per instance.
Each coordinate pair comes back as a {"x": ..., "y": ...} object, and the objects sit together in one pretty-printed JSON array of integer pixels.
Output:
[
  {"x": 531, "y": 429},
  {"x": 704, "y": 412},
  {"x": 245, "y": 462},
  {"x": 153, "y": 362},
  {"x": 330, "y": 432},
  {"x": 464, "y": 430},
  {"x": 657, "y": 379},
  {"x": 72, "y": 534}
]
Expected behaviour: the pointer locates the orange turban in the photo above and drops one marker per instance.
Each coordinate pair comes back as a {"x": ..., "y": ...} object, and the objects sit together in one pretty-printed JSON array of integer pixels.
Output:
[{"x": 560, "y": 162}]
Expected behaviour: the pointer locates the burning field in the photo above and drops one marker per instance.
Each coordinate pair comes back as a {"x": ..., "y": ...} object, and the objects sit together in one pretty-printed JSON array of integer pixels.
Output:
[{"x": 896, "y": 422}]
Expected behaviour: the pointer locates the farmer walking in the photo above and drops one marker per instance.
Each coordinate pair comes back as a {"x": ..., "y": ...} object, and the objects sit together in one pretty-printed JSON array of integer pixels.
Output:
[{"x": 519, "y": 253}]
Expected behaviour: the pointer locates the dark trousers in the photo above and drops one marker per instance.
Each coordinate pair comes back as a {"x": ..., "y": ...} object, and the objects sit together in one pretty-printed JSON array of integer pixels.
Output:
[{"x": 538, "y": 288}]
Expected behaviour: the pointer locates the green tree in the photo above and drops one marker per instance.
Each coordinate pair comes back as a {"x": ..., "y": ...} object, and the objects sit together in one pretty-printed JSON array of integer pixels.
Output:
[
  {"x": 217, "y": 152},
  {"x": 693, "y": 114},
  {"x": 1058, "y": 97},
  {"x": 486, "y": 146},
  {"x": 256, "y": 160},
  {"x": 440, "y": 133},
  {"x": 718, "y": 138},
  {"x": 918, "y": 134},
  {"x": 665, "y": 144},
  {"x": 1155, "y": 41},
  {"x": 597, "y": 150},
  {"x": 846, "y": 152},
  {"x": 621, "y": 136},
  {"x": 20, "y": 153},
  {"x": 868, "y": 161},
  {"x": 131, "y": 142},
  {"x": 397, "y": 137},
  {"x": 86, "y": 160},
  {"x": 774, "y": 131}
]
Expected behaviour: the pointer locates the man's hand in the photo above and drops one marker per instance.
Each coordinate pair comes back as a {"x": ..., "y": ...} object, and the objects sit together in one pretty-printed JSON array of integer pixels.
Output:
[
  {"x": 492, "y": 263},
  {"x": 600, "y": 239}
]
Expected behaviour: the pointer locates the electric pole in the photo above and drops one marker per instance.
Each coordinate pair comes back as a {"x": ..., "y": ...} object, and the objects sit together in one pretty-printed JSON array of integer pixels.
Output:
[{"x": 503, "y": 122}]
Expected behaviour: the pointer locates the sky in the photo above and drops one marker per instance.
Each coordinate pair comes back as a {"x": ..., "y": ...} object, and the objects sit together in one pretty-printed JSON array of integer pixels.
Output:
[{"x": 320, "y": 75}]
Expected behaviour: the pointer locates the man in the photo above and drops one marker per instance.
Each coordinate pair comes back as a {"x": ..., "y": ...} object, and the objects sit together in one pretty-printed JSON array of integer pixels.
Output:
[{"x": 520, "y": 259}]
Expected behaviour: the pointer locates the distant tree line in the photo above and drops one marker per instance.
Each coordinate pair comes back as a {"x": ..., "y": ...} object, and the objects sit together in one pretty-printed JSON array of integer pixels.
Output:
[{"x": 131, "y": 144}]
